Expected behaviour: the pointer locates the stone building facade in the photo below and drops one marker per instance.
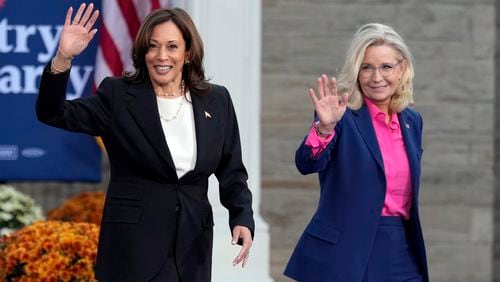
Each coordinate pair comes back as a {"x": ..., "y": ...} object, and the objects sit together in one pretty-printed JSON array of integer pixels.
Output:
[{"x": 454, "y": 44}]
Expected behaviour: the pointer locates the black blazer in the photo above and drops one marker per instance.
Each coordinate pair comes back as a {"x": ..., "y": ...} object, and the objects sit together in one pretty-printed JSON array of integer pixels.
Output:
[{"x": 149, "y": 213}]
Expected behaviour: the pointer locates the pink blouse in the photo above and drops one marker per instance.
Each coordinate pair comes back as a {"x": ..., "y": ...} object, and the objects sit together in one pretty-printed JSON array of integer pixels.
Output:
[{"x": 396, "y": 166}]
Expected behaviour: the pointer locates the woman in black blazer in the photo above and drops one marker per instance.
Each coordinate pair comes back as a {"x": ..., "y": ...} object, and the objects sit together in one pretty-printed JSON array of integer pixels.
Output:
[{"x": 166, "y": 130}]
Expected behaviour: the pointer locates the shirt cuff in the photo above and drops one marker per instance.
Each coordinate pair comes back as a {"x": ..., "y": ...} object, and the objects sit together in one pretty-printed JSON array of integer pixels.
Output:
[{"x": 316, "y": 143}]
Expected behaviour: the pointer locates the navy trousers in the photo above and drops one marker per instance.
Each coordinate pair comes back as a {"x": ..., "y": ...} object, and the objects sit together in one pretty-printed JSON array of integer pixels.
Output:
[{"x": 392, "y": 258}]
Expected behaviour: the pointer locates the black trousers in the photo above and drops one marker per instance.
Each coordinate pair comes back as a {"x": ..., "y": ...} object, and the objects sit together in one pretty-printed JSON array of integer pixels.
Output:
[{"x": 169, "y": 271}]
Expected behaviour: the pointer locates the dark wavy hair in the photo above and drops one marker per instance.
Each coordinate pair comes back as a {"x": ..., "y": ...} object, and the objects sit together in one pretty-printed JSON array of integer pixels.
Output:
[{"x": 193, "y": 73}]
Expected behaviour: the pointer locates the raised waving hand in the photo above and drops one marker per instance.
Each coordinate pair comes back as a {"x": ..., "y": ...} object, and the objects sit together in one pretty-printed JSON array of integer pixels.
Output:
[
  {"x": 75, "y": 36},
  {"x": 77, "y": 33},
  {"x": 330, "y": 106}
]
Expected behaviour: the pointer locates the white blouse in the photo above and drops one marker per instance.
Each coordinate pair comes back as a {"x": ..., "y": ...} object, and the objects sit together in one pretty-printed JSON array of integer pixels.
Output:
[{"x": 177, "y": 121}]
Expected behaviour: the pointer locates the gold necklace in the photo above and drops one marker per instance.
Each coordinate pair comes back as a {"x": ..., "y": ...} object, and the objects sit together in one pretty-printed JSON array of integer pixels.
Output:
[
  {"x": 174, "y": 94},
  {"x": 167, "y": 119}
]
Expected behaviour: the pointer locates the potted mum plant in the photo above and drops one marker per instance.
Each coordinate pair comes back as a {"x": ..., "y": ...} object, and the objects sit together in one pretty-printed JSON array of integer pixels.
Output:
[{"x": 50, "y": 251}]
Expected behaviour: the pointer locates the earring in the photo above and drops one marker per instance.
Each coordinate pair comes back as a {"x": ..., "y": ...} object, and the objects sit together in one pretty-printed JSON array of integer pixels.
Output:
[{"x": 186, "y": 62}]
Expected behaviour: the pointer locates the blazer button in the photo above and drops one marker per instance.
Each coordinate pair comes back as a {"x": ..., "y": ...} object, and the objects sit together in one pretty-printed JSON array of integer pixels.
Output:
[{"x": 177, "y": 208}]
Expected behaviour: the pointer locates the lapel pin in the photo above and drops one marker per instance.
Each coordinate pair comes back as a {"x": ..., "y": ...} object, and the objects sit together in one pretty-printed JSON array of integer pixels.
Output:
[
  {"x": 408, "y": 125},
  {"x": 207, "y": 115}
]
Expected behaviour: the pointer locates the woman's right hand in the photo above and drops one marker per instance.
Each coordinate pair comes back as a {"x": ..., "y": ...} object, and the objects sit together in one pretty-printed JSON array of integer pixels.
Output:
[
  {"x": 77, "y": 33},
  {"x": 329, "y": 105}
]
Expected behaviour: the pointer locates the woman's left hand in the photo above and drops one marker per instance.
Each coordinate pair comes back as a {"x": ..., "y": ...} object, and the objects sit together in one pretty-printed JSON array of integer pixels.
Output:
[{"x": 243, "y": 233}]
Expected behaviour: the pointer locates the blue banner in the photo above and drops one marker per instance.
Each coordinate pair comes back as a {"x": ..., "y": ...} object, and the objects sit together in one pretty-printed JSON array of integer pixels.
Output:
[{"x": 30, "y": 150}]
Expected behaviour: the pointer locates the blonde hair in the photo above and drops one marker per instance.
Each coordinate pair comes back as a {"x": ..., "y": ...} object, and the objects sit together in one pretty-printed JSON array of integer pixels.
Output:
[{"x": 375, "y": 34}]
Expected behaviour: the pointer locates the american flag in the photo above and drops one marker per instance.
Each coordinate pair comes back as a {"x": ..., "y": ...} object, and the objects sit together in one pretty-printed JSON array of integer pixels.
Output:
[{"x": 121, "y": 20}]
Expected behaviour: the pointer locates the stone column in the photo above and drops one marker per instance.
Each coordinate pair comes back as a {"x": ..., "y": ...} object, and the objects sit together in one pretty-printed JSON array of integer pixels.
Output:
[{"x": 231, "y": 32}]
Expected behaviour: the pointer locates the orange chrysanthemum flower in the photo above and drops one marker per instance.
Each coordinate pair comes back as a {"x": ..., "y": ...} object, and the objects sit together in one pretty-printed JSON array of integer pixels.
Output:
[
  {"x": 50, "y": 251},
  {"x": 85, "y": 207}
]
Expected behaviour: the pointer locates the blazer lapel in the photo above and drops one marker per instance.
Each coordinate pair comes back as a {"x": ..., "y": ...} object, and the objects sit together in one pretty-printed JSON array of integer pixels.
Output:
[
  {"x": 144, "y": 110},
  {"x": 363, "y": 122},
  {"x": 206, "y": 120}
]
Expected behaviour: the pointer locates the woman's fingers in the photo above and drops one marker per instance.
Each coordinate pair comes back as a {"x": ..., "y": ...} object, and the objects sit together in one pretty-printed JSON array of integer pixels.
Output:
[
  {"x": 321, "y": 89},
  {"x": 325, "y": 94},
  {"x": 326, "y": 88},
  {"x": 86, "y": 15},
  {"x": 79, "y": 12},
  {"x": 313, "y": 96},
  {"x": 344, "y": 98},
  {"x": 245, "y": 260},
  {"x": 91, "y": 34},
  {"x": 243, "y": 233},
  {"x": 67, "y": 21},
  {"x": 78, "y": 32},
  {"x": 92, "y": 20},
  {"x": 242, "y": 256},
  {"x": 334, "y": 86}
]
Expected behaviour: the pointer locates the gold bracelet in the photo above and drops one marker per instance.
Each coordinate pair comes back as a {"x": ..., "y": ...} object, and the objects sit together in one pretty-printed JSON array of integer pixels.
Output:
[
  {"x": 53, "y": 67},
  {"x": 64, "y": 54}
]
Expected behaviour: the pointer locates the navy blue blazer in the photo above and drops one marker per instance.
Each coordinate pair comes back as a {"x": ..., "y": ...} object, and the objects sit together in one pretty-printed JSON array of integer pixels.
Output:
[{"x": 336, "y": 243}]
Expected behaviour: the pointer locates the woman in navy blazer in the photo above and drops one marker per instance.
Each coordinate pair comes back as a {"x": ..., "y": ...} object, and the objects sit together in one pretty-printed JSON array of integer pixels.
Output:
[
  {"x": 166, "y": 130},
  {"x": 366, "y": 146}
]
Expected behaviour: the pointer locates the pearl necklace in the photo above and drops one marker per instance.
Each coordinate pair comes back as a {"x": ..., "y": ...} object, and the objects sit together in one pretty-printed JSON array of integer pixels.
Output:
[
  {"x": 180, "y": 92},
  {"x": 167, "y": 119}
]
